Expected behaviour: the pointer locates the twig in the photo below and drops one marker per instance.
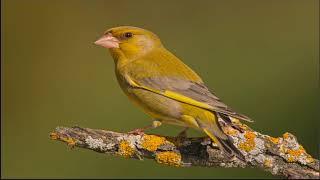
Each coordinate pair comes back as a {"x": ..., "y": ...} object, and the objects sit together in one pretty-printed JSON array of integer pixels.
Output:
[{"x": 282, "y": 156}]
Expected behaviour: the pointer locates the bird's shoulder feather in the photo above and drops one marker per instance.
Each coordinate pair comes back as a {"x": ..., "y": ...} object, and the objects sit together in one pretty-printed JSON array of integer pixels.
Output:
[{"x": 160, "y": 62}]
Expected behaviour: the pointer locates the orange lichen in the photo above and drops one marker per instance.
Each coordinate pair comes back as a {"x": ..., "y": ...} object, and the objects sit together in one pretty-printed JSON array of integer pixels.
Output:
[
  {"x": 54, "y": 136},
  {"x": 125, "y": 149},
  {"x": 250, "y": 135},
  {"x": 70, "y": 141},
  {"x": 169, "y": 158},
  {"x": 294, "y": 154},
  {"x": 249, "y": 144},
  {"x": 274, "y": 140},
  {"x": 152, "y": 142},
  {"x": 293, "y": 151},
  {"x": 297, "y": 152},
  {"x": 286, "y": 135}
]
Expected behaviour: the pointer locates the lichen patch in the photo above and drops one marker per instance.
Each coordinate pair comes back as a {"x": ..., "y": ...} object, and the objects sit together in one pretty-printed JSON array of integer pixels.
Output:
[
  {"x": 230, "y": 131},
  {"x": 268, "y": 162},
  {"x": 169, "y": 158},
  {"x": 286, "y": 135},
  {"x": 133, "y": 140},
  {"x": 125, "y": 149},
  {"x": 97, "y": 144},
  {"x": 292, "y": 151},
  {"x": 274, "y": 140},
  {"x": 249, "y": 143},
  {"x": 70, "y": 141},
  {"x": 54, "y": 136},
  {"x": 152, "y": 142}
]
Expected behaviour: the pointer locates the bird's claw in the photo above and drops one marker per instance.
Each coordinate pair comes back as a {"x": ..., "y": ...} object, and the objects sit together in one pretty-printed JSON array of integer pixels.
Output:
[{"x": 139, "y": 131}]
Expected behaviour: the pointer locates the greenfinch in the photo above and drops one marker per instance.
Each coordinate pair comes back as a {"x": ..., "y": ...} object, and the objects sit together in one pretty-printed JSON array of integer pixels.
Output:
[{"x": 165, "y": 88}]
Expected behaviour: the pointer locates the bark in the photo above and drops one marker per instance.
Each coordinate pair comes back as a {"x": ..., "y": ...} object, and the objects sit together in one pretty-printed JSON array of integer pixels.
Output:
[{"x": 282, "y": 156}]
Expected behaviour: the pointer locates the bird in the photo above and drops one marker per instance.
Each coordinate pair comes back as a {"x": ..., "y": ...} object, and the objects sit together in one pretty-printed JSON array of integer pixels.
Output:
[{"x": 165, "y": 88}]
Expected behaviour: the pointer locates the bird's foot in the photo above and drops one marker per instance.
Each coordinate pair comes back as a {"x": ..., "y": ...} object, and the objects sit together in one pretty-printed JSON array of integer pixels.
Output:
[{"x": 138, "y": 131}]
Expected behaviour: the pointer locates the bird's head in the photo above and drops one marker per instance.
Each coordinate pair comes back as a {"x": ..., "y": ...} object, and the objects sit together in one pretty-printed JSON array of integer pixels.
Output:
[{"x": 130, "y": 42}]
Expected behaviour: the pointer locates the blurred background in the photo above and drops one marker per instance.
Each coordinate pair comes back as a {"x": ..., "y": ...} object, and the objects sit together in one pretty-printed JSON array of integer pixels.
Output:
[{"x": 260, "y": 57}]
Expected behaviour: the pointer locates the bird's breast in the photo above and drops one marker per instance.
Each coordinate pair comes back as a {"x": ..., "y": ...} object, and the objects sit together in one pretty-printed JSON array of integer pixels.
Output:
[{"x": 155, "y": 105}]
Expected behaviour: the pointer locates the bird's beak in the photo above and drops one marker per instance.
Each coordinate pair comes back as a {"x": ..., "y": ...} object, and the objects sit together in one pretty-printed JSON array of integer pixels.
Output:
[{"x": 108, "y": 41}]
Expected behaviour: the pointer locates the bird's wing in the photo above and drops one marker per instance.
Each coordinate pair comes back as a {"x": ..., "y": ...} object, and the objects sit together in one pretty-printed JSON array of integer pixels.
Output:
[{"x": 185, "y": 91}]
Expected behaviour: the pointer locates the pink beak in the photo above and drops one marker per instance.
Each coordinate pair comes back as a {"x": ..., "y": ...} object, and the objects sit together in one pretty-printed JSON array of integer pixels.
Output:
[{"x": 108, "y": 41}]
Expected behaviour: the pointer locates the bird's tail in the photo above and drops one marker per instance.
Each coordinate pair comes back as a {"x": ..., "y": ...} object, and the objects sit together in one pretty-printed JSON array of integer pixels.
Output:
[{"x": 224, "y": 142}]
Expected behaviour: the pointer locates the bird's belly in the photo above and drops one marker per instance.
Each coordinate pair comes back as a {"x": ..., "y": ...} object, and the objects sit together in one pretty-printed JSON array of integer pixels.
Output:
[{"x": 157, "y": 106}]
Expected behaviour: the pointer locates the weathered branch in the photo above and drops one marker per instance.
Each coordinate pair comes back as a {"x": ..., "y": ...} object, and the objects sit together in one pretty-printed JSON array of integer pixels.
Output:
[{"x": 282, "y": 156}]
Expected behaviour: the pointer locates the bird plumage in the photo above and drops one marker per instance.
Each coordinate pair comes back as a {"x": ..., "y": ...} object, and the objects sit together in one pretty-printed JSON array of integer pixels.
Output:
[{"x": 166, "y": 88}]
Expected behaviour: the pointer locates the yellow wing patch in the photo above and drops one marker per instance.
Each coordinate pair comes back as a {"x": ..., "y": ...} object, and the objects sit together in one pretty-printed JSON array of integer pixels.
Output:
[
  {"x": 186, "y": 100},
  {"x": 172, "y": 95}
]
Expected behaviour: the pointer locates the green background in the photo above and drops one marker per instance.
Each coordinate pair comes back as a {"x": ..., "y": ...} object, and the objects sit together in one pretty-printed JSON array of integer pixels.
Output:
[{"x": 260, "y": 57}]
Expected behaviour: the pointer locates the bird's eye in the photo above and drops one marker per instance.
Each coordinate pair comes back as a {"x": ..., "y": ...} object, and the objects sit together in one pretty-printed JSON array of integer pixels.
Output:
[{"x": 128, "y": 34}]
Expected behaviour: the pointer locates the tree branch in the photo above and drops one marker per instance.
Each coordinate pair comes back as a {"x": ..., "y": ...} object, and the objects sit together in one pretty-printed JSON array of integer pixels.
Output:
[{"x": 282, "y": 156}]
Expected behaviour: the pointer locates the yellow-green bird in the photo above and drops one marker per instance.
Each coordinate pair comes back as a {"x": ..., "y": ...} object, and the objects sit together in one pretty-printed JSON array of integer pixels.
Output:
[{"x": 166, "y": 88}]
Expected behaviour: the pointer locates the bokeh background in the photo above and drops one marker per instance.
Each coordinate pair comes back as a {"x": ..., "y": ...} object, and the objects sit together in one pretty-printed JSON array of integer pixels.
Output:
[{"x": 260, "y": 57}]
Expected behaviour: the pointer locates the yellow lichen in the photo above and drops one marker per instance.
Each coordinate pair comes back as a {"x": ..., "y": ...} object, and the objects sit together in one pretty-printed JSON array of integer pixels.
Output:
[
  {"x": 310, "y": 159},
  {"x": 267, "y": 163},
  {"x": 234, "y": 120},
  {"x": 249, "y": 144},
  {"x": 267, "y": 145},
  {"x": 71, "y": 142},
  {"x": 125, "y": 149},
  {"x": 152, "y": 142},
  {"x": 243, "y": 126},
  {"x": 282, "y": 149},
  {"x": 230, "y": 131},
  {"x": 291, "y": 159},
  {"x": 169, "y": 158},
  {"x": 274, "y": 140}
]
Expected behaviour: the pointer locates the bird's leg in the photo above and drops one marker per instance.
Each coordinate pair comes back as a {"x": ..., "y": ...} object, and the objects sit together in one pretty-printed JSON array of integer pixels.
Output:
[
  {"x": 183, "y": 133},
  {"x": 140, "y": 131}
]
